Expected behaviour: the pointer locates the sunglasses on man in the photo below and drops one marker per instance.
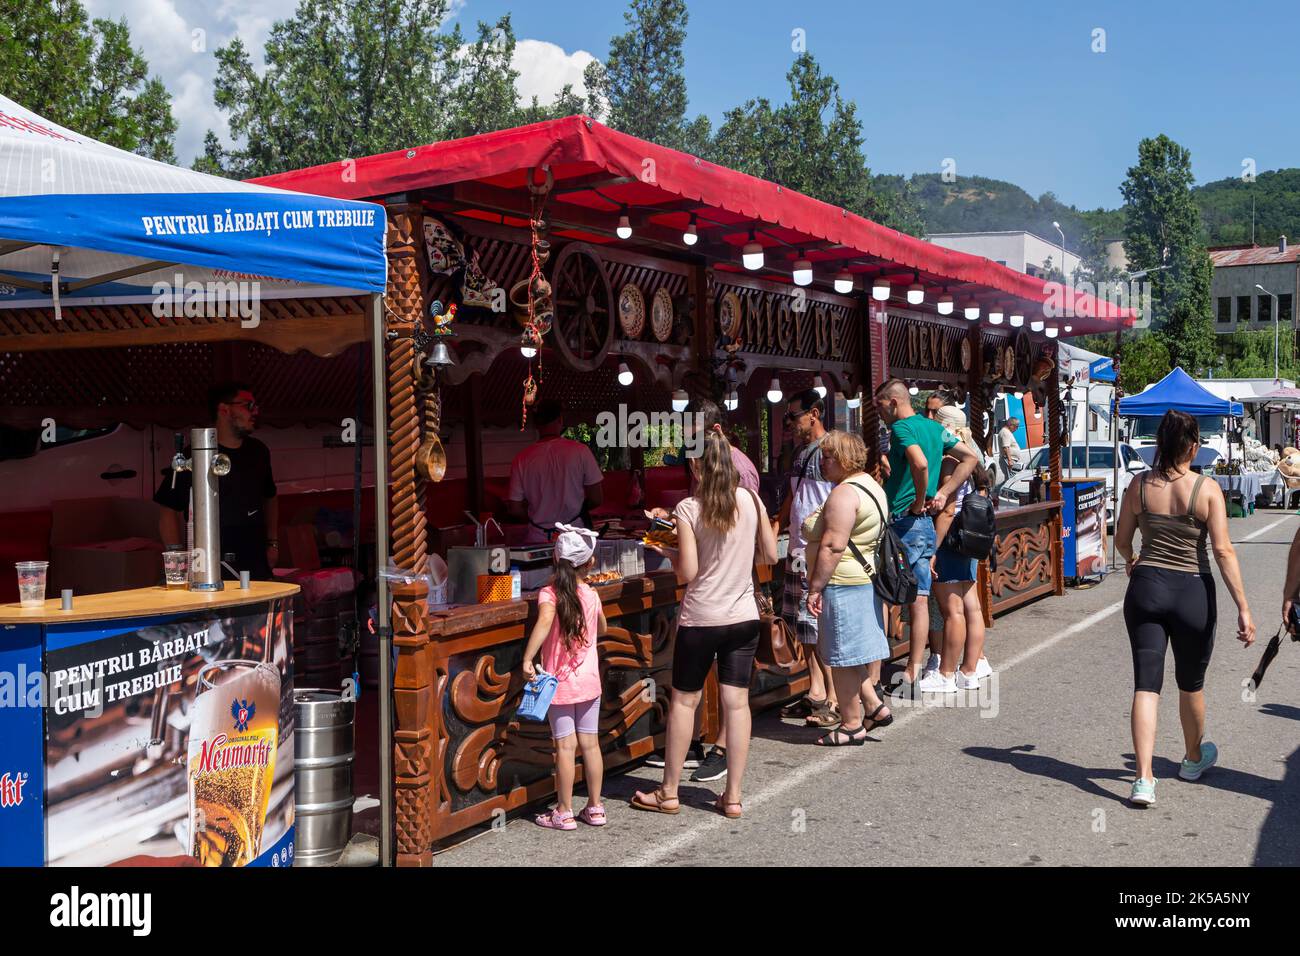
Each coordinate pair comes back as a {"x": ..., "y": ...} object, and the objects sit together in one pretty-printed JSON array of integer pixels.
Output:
[{"x": 249, "y": 404}]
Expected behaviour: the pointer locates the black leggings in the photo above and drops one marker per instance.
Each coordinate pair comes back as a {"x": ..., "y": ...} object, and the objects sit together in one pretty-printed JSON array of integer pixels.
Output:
[
  {"x": 1174, "y": 607},
  {"x": 734, "y": 646}
]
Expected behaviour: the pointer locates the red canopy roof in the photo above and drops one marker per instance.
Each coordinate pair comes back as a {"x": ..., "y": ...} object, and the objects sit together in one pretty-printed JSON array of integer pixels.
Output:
[{"x": 597, "y": 171}]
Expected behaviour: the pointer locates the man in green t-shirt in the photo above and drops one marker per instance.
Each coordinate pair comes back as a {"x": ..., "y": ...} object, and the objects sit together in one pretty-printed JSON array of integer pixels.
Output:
[{"x": 916, "y": 448}]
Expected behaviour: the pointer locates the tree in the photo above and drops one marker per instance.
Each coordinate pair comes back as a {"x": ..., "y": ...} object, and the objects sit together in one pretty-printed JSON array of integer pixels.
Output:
[
  {"x": 796, "y": 145},
  {"x": 1143, "y": 360},
  {"x": 349, "y": 78},
  {"x": 1162, "y": 231},
  {"x": 85, "y": 76},
  {"x": 641, "y": 87}
]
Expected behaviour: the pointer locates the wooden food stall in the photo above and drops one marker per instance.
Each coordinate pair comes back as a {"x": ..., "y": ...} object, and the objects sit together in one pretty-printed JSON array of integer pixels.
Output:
[{"x": 574, "y": 255}]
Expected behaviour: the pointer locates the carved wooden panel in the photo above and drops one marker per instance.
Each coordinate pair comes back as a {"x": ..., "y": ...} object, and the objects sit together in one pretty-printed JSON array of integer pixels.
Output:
[
  {"x": 1026, "y": 568},
  {"x": 926, "y": 350},
  {"x": 792, "y": 322}
]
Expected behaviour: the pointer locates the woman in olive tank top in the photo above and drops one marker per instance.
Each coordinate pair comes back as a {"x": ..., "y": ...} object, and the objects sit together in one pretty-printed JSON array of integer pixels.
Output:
[{"x": 1171, "y": 597}]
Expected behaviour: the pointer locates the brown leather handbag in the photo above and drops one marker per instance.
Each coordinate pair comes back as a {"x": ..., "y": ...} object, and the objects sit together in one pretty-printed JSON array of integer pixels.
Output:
[{"x": 776, "y": 643}]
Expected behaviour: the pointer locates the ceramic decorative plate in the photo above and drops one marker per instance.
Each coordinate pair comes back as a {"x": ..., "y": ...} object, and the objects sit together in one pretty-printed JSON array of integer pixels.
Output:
[
  {"x": 729, "y": 315},
  {"x": 631, "y": 311},
  {"x": 1009, "y": 363},
  {"x": 661, "y": 315},
  {"x": 965, "y": 355}
]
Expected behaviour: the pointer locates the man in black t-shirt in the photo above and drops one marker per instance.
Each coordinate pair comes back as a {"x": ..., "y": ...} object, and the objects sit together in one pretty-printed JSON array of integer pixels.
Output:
[{"x": 249, "y": 510}]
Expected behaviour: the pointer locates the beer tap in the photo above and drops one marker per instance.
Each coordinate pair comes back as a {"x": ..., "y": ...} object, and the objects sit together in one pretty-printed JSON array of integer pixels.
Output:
[{"x": 205, "y": 463}]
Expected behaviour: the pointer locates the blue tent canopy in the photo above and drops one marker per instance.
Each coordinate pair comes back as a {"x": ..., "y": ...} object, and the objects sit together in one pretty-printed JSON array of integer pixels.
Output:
[{"x": 1177, "y": 390}]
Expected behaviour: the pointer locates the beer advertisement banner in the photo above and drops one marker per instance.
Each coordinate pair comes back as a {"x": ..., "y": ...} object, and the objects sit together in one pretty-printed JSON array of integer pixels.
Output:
[
  {"x": 1090, "y": 532},
  {"x": 169, "y": 741}
]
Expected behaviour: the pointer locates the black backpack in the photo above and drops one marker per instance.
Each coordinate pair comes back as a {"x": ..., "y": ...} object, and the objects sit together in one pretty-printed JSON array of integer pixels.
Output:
[
  {"x": 893, "y": 578},
  {"x": 973, "y": 530}
]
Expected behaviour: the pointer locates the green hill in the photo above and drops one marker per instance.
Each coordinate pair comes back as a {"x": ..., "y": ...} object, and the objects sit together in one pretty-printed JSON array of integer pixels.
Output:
[{"x": 980, "y": 204}]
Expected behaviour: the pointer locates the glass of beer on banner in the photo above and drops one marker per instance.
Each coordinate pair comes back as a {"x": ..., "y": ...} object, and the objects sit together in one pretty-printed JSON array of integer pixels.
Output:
[{"x": 231, "y": 760}]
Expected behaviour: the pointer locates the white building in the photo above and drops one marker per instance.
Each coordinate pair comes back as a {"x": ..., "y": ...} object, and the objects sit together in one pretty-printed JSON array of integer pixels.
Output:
[{"x": 1022, "y": 251}]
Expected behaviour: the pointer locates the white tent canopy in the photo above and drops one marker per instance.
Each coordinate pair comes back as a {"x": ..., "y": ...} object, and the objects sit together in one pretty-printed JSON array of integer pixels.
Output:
[{"x": 112, "y": 224}]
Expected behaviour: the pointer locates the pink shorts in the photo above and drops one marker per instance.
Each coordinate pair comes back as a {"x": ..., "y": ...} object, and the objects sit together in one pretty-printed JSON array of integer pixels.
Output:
[{"x": 584, "y": 717}]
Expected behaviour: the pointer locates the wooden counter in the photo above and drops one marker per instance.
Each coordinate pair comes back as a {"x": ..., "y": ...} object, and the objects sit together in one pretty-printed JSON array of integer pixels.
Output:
[
  {"x": 1030, "y": 557},
  {"x": 143, "y": 602},
  {"x": 481, "y": 760}
]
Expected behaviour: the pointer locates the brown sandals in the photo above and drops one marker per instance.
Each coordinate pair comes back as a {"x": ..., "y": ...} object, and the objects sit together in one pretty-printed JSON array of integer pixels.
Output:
[
  {"x": 654, "y": 802},
  {"x": 725, "y": 808}
]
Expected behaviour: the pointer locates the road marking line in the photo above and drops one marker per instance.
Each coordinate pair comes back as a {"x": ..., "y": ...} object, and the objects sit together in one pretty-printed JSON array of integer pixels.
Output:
[
  {"x": 1267, "y": 527},
  {"x": 663, "y": 850}
]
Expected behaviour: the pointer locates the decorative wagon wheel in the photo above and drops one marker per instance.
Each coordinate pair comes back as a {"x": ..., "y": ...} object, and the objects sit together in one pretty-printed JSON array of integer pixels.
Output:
[
  {"x": 1024, "y": 353},
  {"x": 584, "y": 307}
]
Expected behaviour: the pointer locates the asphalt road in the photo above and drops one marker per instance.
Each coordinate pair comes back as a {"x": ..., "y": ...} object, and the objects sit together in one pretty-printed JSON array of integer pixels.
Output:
[{"x": 1034, "y": 771}]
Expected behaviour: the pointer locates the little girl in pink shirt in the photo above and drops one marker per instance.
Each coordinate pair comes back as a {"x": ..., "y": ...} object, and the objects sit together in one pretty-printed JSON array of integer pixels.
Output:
[{"x": 569, "y": 621}]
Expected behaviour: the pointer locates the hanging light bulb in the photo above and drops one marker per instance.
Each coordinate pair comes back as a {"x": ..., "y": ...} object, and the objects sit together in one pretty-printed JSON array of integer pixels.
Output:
[
  {"x": 818, "y": 386},
  {"x": 1018, "y": 395},
  {"x": 996, "y": 313},
  {"x": 972, "y": 310},
  {"x": 1017, "y": 320},
  {"x": 844, "y": 282},
  {"x": 915, "y": 291},
  {"x": 1052, "y": 331},
  {"x": 854, "y": 400},
  {"x": 1068, "y": 328},
  {"x": 945, "y": 304},
  {"x": 774, "y": 393},
  {"x": 732, "y": 401},
  {"x": 680, "y": 400},
  {"x": 752, "y": 255},
  {"x": 880, "y": 289},
  {"x": 1038, "y": 413},
  {"x": 802, "y": 271},
  {"x": 1036, "y": 325},
  {"x": 624, "y": 374},
  {"x": 624, "y": 230},
  {"x": 690, "y": 236},
  {"x": 913, "y": 391},
  {"x": 528, "y": 343}
]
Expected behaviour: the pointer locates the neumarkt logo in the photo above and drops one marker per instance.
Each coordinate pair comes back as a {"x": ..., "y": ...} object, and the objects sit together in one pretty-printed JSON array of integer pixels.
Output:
[{"x": 76, "y": 909}]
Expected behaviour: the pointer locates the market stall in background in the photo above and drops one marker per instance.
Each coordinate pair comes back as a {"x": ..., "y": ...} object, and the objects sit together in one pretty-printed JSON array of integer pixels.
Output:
[{"x": 568, "y": 261}]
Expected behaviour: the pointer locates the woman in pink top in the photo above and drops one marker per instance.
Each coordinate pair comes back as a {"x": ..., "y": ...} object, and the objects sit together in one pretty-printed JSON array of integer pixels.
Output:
[
  {"x": 719, "y": 530},
  {"x": 569, "y": 620}
]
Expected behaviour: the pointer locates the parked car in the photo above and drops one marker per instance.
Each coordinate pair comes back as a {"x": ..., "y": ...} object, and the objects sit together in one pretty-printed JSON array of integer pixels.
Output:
[{"x": 1100, "y": 464}]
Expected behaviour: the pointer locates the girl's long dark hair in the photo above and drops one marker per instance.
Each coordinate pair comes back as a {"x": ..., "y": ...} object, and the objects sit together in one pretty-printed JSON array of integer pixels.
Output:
[
  {"x": 1177, "y": 433},
  {"x": 568, "y": 609}
]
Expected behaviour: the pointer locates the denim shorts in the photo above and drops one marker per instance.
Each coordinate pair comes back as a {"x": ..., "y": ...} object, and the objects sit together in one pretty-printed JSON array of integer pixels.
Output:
[
  {"x": 916, "y": 532},
  {"x": 951, "y": 567},
  {"x": 851, "y": 629}
]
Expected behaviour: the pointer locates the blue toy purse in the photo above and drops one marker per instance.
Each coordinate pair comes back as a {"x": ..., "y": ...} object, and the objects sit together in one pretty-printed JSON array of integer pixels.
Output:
[{"x": 537, "y": 696}]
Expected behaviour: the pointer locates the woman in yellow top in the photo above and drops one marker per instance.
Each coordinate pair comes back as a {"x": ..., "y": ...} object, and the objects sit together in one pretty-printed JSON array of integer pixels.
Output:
[{"x": 842, "y": 538}]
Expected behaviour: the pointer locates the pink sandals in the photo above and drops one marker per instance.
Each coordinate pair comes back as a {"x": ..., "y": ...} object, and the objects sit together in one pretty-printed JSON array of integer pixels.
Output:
[{"x": 556, "y": 820}]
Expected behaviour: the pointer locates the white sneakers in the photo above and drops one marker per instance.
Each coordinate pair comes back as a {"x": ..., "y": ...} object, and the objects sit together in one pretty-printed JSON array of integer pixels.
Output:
[{"x": 933, "y": 682}]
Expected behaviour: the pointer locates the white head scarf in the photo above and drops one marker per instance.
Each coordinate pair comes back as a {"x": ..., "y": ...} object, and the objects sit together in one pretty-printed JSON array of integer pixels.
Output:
[{"x": 575, "y": 545}]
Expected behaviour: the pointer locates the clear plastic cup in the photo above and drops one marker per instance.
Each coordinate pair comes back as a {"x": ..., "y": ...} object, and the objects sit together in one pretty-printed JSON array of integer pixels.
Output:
[
  {"x": 176, "y": 568},
  {"x": 31, "y": 582}
]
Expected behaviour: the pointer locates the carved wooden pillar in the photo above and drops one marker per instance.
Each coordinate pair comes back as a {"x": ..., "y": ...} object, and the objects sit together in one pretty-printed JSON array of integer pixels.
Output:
[
  {"x": 413, "y": 678},
  {"x": 875, "y": 345},
  {"x": 703, "y": 335},
  {"x": 975, "y": 387}
]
